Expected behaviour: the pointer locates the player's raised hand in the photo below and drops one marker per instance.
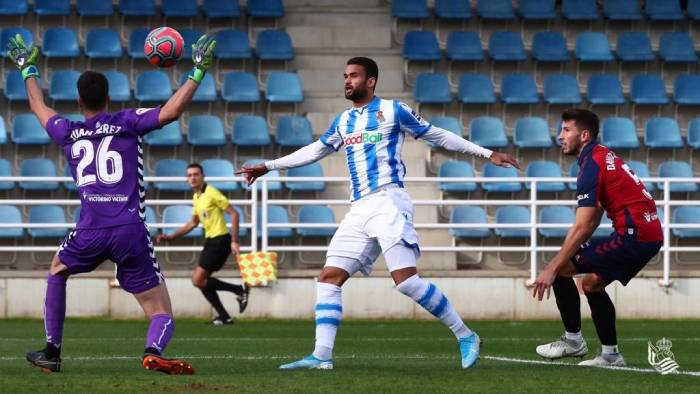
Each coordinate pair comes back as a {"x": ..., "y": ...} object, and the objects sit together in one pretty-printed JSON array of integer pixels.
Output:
[
  {"x": 504, "y": 160},
  {"x": 163, "y": 237},
  {"x": 543, "y": 284},
  {"x": 202, "y": 55},
  {"x": 253, "y": 173},
  {"x": 23, "y": 56}
]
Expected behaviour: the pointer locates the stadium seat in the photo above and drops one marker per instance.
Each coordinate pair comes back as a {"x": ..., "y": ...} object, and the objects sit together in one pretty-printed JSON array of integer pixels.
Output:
[
  {"x": 150, "y": 221},
  {"x": 216, "y": 9},
  {"x": 293, "y": 131},
  {"x": 421, "y": 46},
  {"x": 495, "y": 9},
  {"x": 52, "y": 7},
  {"x": 75, "y": 117},
  {"x": 694, "y": 9},
  {"x": 686, "y": 89},
  {"x": 171, "y": 167},
  {"x": 622, "y": 10},
  {"x": 137, "y": 7},
  {"x": 605, "y": 89},
  {"x": 179, "y": 8},
  {"x": 634, "y": 46},
  {"x": 537, "y": 9},
  {"x": 475, "y": 89},
  {"x": 686, "y": 215},
  {"x": 469, "y": 215},
  {"x": 206, "y": 93},
  {"x": 603, "y": 231},
  {"x": 189, "y": 37},
  {"x": 579, "y": 9},
  {"x": 545, "y": 169},
  {"x": 448, "y": 123},
  {"x": 316, "y": 214},
  {"x": 47, "y": 214},
  {"x": 26, "y": 130},
  {"x": 592, "y": 46},
  {"x": 68, "y": 185},
  {"x": 490, "y": 170},
  {"x": 14, "y": 87},
  {"x": 283, "y": 87},
  {"x": 103, "y": 44},
  {"x": 3, "y": 132},
  {"x": 11, "y": 33},
  {"x": 38, "y": 167},
  {"x": 694, "y": 133},
  {"x": 677, "y": 169},
  {"x": 456, "y": 169},
  {"x": 488, "y": 132},
  {"x": 60, "y": 42},
  {"x": 410, "y": 9},
  {"x": 677, "y": 47},
  {"x": 506, "y": 46},
  {"x": 556, "y": 215},
  {"x": 663, "y": 10},
  {"x": 220, "y": 167},
  {"x": 64, "y": 85},
  {"x": 642, "y": 172},
  {"x": 275, "y": 214},
  {"x": 273, "y": 186},
  {"x": 519, "y": 89},
  {"x": 10, "y": 214},
  {"x": 309, "y": 170},
  {"x": 153, "y": 86},
  {"x": 453, "y": 9},
  {"x": 265, "y": 8},
  {"x": 180, "y": 214},
  {"x": 274, "y": 45},
  {"x": 561, "y": 89},
  {"x": 432, "y": 88},
  {"x": 240, "y": 87},
  {"x": 119, "y": 90},
  {"x": 464, "y": 46},
  {"x": 549, "y": 46},
  {"x": 532, "y": 132},
  {"x": 619, "y": 133},
  {"x": 648, "y": 89},
  {"x": 6, "y": 170},
  {"x": 510, "y": 215},
  {"x": 250, "y": 130},
  {"x": 573, "y": 172},
  {"x": 660, "y": 132},
  {"x": 95, "y": 7},
  {"x": 136, "y": 39},
  {"x": 205, "y": 130},
  {"x": 13, "y": 7},
  {"x": 168, "y": 135},
  {"x": 232, "y": 44}
]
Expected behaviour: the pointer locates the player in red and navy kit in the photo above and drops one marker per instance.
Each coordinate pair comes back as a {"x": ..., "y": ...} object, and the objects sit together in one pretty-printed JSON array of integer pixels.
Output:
[{"x": 605, "y": 183}]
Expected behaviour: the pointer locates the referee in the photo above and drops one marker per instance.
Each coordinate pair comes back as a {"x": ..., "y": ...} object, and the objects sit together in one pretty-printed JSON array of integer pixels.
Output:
[{"x": 208, "y": 207}]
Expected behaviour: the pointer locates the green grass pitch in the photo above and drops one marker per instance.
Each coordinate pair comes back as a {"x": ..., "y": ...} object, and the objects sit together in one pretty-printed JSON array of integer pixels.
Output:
[{"x": 370, "y": 357}]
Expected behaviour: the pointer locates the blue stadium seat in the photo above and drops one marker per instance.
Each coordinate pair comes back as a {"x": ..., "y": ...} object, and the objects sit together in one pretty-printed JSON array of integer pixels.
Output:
[
  {"x": 592, "y": 46},
  {"x": 168, "y": 135},
  {"x": 545, "y": 169},
  {"x": 579, "y": 9},
  {"x": 274, "y": 45},
  {"x": 432, "y": 88},
  {"x": 686, "y": 215},
  {"x": 95, "y": 7},
  {"x": 6, "y": 170},
  {"x": 14, "y": 87},
  {"x": 495, "y": 9},
  {"x": 232, "y": 44},
  {"x": 573, "y": 172},
  {"x": 179, "y": 8},
  {"x": 410, "y": 9},
  {"x": 556, "y": 214},
  {"x": 686, "y": 89},
  {"x": 47, "y": 214},
  {"x": 150, "y": 221},
  {"x": 648, "y": 89},
  {"x": 600, "y": 231},
  {"x": 275, "y": 214},
  {"x": 662, "y": 132},
  {"x": 464, "y": 46},
  {"x": 250, "y": 130},
  {"x": 52, "y": 7},
  {"x": 13, "y": 7},
  {"x": 189, "y": 37},
  {"x": 273, "y": 186},
  {"x": 309, "y": 170},
  {"x": 136, "y": 39},
  {"x": 677, "y": 47},
  {"x": 456, "y": 169},
  {"x": 510, "y": 215},
  {"x": 240, "y": 87},
  {"x": 316, "y": 214},
  {"x": 622, "y": 10},
  {"x": 119, "y": 90},
  {"x": 532, "y": 132},
  {"x": 642, "y": 172},
  {"x": 69, "y": 185},
  {"x": 265, "y": 8},
  {"x": 206, "y": 92},
  {"x": 205, "y": 130},
  {"x": 38, "y": 167},
  {"x": 634, "y": 46},
  {"x": 153, "y": 86},
  {"x": 490, "y": 170},
  {"x": 561, "y": 89},
  {"x": 64, "y": 85},
  {"x": 549, "y": 46},
  {"x": 11, "y": 33},
  {"x": 26, "y": 130},
  {"x": 221, "y": 9},
  {"x": 75, "y": 117},
  {"x": 10, "y": 214},
  {"x": 3, "y": 131},
  {"x": 605, "y": 89},
  {"x": 694, "y": 133},
  {"x": 180, "y": 214},
  {"x": 663, "y": 10},
  {"x": 476, "y": 89},
  {"x": 293, "y": 131},
  {"x": 103, "y": 44},
  {"x": 619, "y": 133},
  {"x": 60, "y": 42},
  {"x": 220, "y": 167},
  {"x": 171, "y": 167},
  {"x": 283, "y": 87},
  {"x": 469, "y": 215},
  {"x": 506, "y": 46},
  {"x": 694, "y": 9},
  {"x": 537, "y": 9},
  {"x": 137, "y": 7},
  {"x": 677, "y": 169},
  {"x": 421, "y": 46},
  {"x": 242, "y": 231},
  {"x": 453, "y": 9},
  {"x": 488, "y": 132},
  {"x": 519, "y": 89}
]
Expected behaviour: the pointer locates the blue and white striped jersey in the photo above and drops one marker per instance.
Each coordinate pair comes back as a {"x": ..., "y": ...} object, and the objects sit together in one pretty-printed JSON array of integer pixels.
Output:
[{"x": 373, "y": 136}]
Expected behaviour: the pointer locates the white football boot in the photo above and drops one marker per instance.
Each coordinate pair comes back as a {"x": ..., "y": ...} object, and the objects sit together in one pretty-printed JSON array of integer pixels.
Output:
[
  {"x": 562, "y": 348},
  {"x": 605, "y": 360}
]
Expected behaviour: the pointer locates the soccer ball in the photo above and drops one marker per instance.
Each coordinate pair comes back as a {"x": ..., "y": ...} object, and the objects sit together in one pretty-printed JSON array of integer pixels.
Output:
[{"x": 163, "y": 46}]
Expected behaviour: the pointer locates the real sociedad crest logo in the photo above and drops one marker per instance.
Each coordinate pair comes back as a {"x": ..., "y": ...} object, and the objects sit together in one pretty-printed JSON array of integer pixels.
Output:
[{"x": 661, "y": 357}]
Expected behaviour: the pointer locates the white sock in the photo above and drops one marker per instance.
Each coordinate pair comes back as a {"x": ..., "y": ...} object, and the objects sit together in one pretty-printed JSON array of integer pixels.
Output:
[
  {"x": 329, "y": 312},
  {"x": 431, "y": 298},
  {"x": 609, "y": 349},
  {"x": 574, "y": 336}
]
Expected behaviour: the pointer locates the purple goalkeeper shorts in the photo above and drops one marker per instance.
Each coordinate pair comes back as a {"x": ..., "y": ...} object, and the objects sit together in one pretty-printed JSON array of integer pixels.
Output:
[{"x": 128, "y": 246}]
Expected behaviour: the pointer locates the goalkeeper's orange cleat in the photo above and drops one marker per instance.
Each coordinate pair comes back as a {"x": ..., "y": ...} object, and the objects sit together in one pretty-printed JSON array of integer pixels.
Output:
[{"x": 171, "y": 366}]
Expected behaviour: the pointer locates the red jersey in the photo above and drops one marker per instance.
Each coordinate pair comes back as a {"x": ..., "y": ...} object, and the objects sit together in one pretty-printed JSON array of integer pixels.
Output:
[{"x": 606, "y": 179}]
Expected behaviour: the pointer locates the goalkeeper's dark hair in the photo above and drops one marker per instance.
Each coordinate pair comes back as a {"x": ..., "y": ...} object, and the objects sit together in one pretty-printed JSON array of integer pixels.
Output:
[{"x": 93, "y": 89}]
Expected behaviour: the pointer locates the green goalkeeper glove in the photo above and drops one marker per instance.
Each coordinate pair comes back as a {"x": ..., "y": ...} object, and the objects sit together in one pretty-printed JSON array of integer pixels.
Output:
[
  {"x": 202, "y": 55},
  {"x": 23, "y": 57}
]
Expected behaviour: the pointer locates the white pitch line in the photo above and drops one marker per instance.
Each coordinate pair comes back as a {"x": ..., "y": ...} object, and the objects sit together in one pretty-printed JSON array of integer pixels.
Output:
[{"x": 365, "y": 339}]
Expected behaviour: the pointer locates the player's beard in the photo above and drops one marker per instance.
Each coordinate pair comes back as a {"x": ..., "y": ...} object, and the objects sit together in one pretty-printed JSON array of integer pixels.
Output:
[{"x": 357, "y": 94}]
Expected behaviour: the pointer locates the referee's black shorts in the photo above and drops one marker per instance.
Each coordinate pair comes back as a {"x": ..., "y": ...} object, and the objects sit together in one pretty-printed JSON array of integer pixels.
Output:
[{"x": 216, "y": 251}]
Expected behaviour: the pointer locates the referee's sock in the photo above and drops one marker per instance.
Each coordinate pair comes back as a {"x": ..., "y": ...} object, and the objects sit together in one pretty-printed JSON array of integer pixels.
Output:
[
  {"x": 215, "y": 302},
  {"x": 219, "y": 285}
]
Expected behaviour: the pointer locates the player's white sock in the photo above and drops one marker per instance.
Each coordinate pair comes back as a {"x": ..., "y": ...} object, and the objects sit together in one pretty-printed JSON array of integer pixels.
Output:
[
  {"x": 434, "y": 301},
  {"x": 574, "y": 336},
  {"x": 609, "y": 349},
  {"x": 329, "y": 312}
]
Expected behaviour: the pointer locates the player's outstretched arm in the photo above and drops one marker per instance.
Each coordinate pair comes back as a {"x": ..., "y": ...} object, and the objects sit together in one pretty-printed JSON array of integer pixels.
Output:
[
  {"x": 301, "y": 157},
  {"x": 202, "y": 55},
  {"x": 453, "y": 142},
  {"x": 189, "y": 226}
]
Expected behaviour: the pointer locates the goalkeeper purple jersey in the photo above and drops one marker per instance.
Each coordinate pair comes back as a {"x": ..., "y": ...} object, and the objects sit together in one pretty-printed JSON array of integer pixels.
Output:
[{"x": 106, "y": 161}]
